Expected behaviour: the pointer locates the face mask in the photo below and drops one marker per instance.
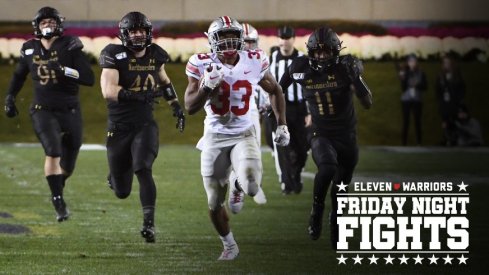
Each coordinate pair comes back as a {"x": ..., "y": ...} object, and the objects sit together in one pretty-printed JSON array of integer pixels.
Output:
[{"x": 46, "y": 31}]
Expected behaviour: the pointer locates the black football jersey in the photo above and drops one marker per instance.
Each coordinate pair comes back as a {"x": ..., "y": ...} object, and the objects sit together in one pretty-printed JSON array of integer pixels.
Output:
[
  {"x": 136, "y": 75},
  {"x": 327, "y": 93},
  {"x": 48, "y": 89}
]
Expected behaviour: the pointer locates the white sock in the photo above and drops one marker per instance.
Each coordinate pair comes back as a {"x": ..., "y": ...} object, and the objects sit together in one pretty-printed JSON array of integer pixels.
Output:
[{"x": 228, "y": 240}]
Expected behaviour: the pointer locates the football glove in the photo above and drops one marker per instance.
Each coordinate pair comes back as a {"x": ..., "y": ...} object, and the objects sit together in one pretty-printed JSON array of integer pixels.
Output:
[
  {"x": 213, "y": 76},
  {"x": 282, "y": 136},
  {"x": 56, "y": 67},
  {"x": 178, "y": 113},
  {"x": 10, "y": 108},
  {"x": 60, "y": 70},
  {"x": 352, "y": 66}
]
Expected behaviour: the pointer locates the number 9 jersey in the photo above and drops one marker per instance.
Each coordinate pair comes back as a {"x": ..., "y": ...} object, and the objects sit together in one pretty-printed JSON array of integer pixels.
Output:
[{"x": 228, "y": 112}]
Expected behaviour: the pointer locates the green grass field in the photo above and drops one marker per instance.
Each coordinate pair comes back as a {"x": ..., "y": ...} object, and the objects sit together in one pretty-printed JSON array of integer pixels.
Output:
[
  {"x": 379, "y": 126},
  {"x": 102, "y": 236}
]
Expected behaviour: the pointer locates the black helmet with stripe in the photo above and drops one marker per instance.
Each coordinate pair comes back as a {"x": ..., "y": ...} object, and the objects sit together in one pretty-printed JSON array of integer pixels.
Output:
[{"x": 323, "y": 48}]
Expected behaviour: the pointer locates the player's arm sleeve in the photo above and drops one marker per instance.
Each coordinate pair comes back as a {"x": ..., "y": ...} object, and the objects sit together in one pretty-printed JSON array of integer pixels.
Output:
[
  {"x": 363, "y": 92},
  {"x": 19, "y": 76},
  {"x": 265, "y": 63},
  {"x": 195, "y": 96},
  {"x": 286, "y": 80},
  {"x": 354, "y": 69},
  {"x": 166, "y": 87},
  {"x": 82, "y": 65},
  {"x": 192, "y": 68}
]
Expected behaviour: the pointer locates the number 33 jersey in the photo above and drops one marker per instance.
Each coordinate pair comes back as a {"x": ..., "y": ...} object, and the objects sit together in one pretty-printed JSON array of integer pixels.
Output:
[{"x": 228, "y": 112}]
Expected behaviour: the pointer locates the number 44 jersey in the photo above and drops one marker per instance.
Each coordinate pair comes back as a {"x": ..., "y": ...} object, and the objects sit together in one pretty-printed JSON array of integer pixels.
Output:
[{"x": 228, "y": 112}]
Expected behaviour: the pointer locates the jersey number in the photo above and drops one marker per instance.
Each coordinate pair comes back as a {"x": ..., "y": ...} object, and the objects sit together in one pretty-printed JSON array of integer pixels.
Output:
[
  {"x": 329, "y": 103},
  {"x": 45, "y": 75},
  {"x": 149, "y": 83},
  {"x": 226, "y": 90}
]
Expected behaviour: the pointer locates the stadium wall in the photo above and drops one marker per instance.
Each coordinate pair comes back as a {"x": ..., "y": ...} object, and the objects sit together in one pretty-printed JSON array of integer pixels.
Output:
[{"x": 188, "y": 10}]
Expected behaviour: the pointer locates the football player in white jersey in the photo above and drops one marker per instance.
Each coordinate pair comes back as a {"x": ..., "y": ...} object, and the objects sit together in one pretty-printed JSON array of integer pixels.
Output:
[
  {"x": 250, "y": 36},
  {"x": 221, "y": 82}
]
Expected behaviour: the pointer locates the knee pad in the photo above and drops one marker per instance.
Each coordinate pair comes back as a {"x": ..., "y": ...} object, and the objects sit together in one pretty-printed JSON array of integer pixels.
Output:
[
  {"x": 122, "y": 185},
  {"x": 216, "y": 192},
  {"x": 68, "y": 159},
  {"x": 249, "y": 175},
  {"x": 343, "y": 175},
  {"x": 326, "y": 173},
  {"x": 51, "y": 146},
  {"x": 122, "y": 195}
]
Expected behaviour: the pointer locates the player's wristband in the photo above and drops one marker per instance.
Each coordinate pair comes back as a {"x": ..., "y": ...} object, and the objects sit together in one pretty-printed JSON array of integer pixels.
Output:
[{"x": 69, "y": 72}]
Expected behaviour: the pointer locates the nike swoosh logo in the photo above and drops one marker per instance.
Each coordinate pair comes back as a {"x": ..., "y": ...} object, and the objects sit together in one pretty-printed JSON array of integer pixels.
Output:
[
  {"x": 211, "y": 78},
  {"x": 247, "y": 72}
]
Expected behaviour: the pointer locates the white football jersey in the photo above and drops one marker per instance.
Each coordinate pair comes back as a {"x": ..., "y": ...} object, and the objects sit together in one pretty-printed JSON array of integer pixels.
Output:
[{"x": 228, "y": 112}]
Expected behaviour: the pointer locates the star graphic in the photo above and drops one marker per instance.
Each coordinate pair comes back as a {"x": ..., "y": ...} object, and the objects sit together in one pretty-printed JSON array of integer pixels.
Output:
[
  {"x": 462, "y": 186},
  {"x": 433, "y": 259},
  {"x": 389, "y": 259},
  {"x": 462, "y": 260},
  {"x": 418, "y": 260},
  {"x": 373, "y": 259},
  {"x": 341, "y": 259},
  {"x": 342, "y": 186},
  {"x": 357, "y": 260},
  {"x": 447, "y": 259},
  {"x": 403, "y": 259}
]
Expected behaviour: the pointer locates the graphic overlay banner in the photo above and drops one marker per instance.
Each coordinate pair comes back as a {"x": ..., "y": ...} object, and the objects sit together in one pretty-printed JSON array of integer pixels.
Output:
[{"x": 403, "y": 223}]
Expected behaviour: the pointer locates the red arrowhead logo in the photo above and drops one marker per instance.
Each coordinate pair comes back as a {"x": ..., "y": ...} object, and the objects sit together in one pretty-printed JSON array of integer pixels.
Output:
[{"x": 397, "y": 186}]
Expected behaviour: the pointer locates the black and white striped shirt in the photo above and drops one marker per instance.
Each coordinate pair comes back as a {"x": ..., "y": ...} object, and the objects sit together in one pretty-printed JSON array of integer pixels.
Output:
[{"x": 278, "y": 64}]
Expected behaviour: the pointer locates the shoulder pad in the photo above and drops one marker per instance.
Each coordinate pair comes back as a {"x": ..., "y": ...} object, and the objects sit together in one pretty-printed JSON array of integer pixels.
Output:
[
  {"x": 74, "y": 43},
  {"x": 29, "y": 43},
  {"x": 114, "y": 49},
  {"x": 159, "y": 53},
  {"x": 196, "y": 64},
  {"x": 353, "y": 65},
  {"x": 27, "y": 47},
  {"x": 109, "y": 55}
]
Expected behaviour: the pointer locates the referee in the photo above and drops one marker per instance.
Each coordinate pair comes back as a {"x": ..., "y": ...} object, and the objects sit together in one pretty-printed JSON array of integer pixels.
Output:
[{"x": 290, "y": 160}]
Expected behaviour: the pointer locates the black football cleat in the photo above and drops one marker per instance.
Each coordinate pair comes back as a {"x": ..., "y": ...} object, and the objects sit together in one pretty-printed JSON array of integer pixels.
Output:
[
  {"x": 62, "y": 213},
  {"x": 298, "y": 188},
  {"x": 285, "y": 189},
  {"x": 148, "y": 233},
  {"x": 316, "y": 221}
]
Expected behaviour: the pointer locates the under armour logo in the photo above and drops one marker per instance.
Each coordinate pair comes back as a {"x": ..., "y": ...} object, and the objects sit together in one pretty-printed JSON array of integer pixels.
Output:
[
  {"x": 331, "y": 77},
  {"x": 109, "y": 134}
]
